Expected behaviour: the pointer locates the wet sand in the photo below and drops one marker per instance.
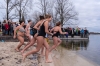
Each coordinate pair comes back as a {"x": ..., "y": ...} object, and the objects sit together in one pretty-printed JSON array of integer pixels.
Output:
[{"x": 62, "y": 57}]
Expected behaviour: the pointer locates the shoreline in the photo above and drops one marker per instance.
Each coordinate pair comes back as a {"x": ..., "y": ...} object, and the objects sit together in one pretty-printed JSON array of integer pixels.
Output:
[
  {"x": 70, "y": 58},
  {"x": 88, "y": 60}
]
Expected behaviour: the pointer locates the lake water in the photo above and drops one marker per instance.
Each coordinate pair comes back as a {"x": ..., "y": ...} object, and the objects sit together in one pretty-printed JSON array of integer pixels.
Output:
[{"x": 89, "y": 49}]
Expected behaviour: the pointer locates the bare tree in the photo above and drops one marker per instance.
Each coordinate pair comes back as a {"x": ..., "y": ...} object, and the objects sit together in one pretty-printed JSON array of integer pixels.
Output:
[
  {"x": 17, "y": 8},
  {"x": 23, "y": 7},
  {"x": 45, "y": 6},
  {"x": 35, "y": 16},
  {"x": 65, "y": 11},
  {"x": 61, "y": 10},
  {"x": 10, "y": 5}
]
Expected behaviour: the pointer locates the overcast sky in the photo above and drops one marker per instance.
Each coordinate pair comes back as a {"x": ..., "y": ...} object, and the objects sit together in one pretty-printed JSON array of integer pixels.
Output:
[{"x": 89, "y": 13}]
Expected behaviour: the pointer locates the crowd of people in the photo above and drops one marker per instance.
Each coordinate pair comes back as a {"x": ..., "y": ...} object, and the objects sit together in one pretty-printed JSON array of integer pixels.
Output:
[
  {"x": 76, "y": 32},
  {"x": 8, "y": 27}
]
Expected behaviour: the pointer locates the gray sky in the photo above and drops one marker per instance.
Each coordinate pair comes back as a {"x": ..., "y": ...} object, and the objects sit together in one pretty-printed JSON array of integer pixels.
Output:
[{"x": 89, "y": 13}]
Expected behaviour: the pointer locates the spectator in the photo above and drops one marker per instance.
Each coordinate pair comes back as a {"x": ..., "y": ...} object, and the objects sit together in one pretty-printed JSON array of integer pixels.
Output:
[
  {"x": 17, "y": 24},
  {"x": 82, "y": 33},
  {"x": 3, "y": 29},
  {"x": 86, "y": 33},
  {"x": 72, "y": 32},
  {"x": 0, "y": 27},
  {"x": 6, "y": 27},
  {"x": 76, "y": 31},
  {"x": 66, "y": 35},
  {"x": 9, "y": 24},
  {"x": 11, "y": 29},
  {"x": 79, "y": 29},
  {"x": 67, "y": 30}
]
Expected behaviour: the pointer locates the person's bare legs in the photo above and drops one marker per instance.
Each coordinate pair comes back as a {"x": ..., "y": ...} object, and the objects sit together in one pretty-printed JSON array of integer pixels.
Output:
[
  {"x": 29, "y": 45},
  {"x": 29, "y": 38},
  {"x": 55, "y": 43},
  {"x": 40, "y": 41},
  {"x": 46, "y": 45},
  {"x": 42, "y": 51},
  {"x": 33, "y": 40},
  {"x": 21, "y": 39},
  {"x": 59, "y": 41}
]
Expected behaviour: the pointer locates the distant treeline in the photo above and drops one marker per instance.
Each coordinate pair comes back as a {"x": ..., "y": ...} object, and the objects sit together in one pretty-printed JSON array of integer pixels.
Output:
[{"x": 94, "y": 33}]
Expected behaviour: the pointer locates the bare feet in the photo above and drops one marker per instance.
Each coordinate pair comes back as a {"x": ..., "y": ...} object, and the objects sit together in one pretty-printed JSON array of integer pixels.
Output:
[
  {"x": 48, "y": 61},
  {"x": 22, "y": 51},
  {"x": 17, "y": 50},
  {"x": 24, "y": 56}
]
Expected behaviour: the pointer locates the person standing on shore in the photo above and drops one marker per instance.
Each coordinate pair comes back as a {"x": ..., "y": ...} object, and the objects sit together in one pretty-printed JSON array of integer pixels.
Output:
[
  {"x": 3, "y": 29},
  {"x": 11, "y": 29},
  {"x": 41, "y": 38},
  {"x": 82, "y": 33},
  {"x": 6, "y": 27},
  {"x": 56, "y": 32},
  {"x": 86, "y": 33},
  {"x": 19, "y": 32}
]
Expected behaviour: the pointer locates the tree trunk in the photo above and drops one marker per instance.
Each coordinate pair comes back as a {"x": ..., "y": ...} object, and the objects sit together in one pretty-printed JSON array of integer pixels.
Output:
[
  {"x": 7, "y": 12},
  {"x": 20, "y": 11},
  {"x": 44, "y": 7}
]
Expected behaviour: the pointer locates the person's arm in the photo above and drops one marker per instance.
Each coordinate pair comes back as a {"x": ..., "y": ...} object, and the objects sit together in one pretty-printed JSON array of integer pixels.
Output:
[
  {"x": 26, "y": 29},
  {"x": 15, "y": 30},
  {"x": 51, "y": 30},
  {"x": 61, "y": 31},
  {"x": 37, "y": 25},
  {"x": 46, "y": 24}
]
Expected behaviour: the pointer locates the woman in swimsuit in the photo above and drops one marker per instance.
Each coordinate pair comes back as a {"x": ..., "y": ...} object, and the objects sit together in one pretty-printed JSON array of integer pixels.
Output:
[
  {"x": 20, "y": 31},
  {"x": 35, "y": 29},
  {"x": 56, "y": 32},
  {"x": 27, "y": 29},
  {"x": 41, "y": 38}
]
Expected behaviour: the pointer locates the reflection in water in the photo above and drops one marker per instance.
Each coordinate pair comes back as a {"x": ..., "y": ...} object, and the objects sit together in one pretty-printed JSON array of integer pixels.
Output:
[
  {"x": 66, "y": 54},
  {"x": 90, "y": 49},
  {"x": 75, "y": 44}
]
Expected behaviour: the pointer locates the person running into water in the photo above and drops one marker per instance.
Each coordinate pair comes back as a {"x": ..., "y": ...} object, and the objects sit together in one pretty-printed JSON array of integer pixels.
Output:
[
  {"x": 35, "y": 29},
  {"x": 41, "y": 38},
  {"x": 27, "y": 29},
  {"x": 19, "y": 32},
  {"x": 56, "y": 32},
  {"x": 47, "y": 43}
]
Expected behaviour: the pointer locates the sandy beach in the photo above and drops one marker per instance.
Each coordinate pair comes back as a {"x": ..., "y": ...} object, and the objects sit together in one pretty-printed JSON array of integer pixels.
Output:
[{"x": 9, "y": 57}]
